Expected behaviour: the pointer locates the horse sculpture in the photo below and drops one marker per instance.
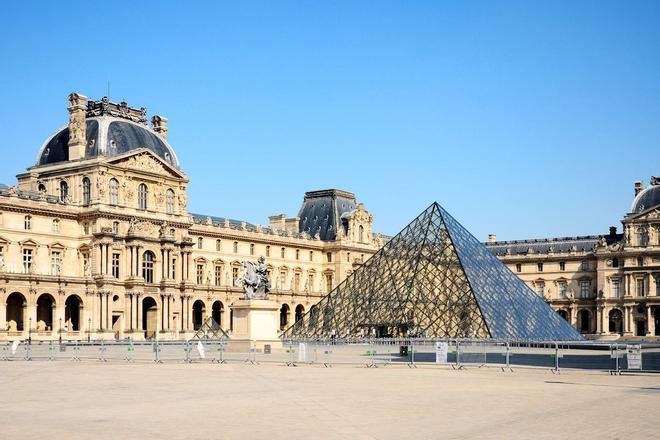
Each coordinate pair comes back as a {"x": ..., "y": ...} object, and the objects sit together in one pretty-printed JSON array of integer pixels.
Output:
[{"x": 255, "y": 280}]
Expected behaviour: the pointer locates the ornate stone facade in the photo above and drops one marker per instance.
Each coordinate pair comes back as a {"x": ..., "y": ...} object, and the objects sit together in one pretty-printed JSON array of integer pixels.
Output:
[
  {"x": 96, "y": 240},
  {"x": 607, "y": 286}
]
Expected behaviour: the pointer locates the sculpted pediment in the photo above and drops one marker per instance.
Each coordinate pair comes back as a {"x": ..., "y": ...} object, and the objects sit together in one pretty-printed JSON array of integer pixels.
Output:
[{"x": 144, "y": 160}]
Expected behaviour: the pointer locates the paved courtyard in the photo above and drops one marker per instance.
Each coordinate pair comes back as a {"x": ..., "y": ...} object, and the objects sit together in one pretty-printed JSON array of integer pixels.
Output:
[{"x": 92, "y": 400}]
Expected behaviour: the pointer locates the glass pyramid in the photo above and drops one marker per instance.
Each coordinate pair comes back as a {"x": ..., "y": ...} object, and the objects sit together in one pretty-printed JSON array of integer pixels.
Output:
[{"x": 433, "y": 279}]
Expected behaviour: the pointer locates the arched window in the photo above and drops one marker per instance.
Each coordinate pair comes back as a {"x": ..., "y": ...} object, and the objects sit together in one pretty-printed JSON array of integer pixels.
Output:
[
  {"x": 114, "y": 192},
  {"x": 218, "y": 245},
  {"x": 361, "y": 234},
  {"x": 235, "y": 247},
  {"x": 27, "y": 222},
  {"x": 142, "y": 196},
  {"x": 42, "y": 188},
  {"x": 200, "y": 242},
  {"x": 86, "y": 191},
  {"x": 284, "y": 316},
  {"x": 56, "y": 225},
  {"x": 251, "y": 248},
  {"x": 169, "y": 202},
  {"x": 64, "y": 191},
  {"x": 148, "y": 267}
]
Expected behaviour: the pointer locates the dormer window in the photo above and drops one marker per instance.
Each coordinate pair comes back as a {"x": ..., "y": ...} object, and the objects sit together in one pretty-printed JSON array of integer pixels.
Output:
[
  {"x": 86, "y": 188},
  {"x": 142, "y": 196},
  {"x": 64, "y": 191},
  {"x": 114, "y": 192}
]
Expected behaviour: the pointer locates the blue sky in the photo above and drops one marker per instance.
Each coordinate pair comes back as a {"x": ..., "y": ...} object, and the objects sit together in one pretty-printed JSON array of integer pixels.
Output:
[{"x": 527, "y": 119}]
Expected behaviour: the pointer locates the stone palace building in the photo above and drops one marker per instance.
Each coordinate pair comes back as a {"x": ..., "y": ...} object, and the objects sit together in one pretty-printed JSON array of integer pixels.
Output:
[
  {"x": 96, "y": 240},
  {"x": 607, "y": 286}
]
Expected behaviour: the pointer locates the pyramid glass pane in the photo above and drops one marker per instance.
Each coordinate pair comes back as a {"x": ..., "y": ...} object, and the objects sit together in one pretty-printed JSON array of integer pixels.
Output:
[
  {"x": 511, "y": 309},
  {"x": 433, "y": 279}
]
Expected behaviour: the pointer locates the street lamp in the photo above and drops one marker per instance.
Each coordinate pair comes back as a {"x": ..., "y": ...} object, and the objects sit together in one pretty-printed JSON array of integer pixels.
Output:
[
  {"x": 89, "y": 329},
  {"x": 60, "y": 331},
  {"x": 30, "y": 330}
]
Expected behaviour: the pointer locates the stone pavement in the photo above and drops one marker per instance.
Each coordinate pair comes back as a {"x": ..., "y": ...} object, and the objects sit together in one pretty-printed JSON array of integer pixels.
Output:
[{"x": 97, "y": 400}]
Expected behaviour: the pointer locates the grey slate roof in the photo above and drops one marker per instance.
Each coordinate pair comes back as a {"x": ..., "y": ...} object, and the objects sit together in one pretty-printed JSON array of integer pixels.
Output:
[
  {"x": 585, "y": 243},
  {"x": 321, "y": 212}
]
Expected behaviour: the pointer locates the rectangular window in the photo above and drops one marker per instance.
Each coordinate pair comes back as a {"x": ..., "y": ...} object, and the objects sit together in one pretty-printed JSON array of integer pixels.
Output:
[
  {"x": 297, "y": 254},
  {"x": 562, "y": 289},
  {"x": 234, "y": 275},
  {"x": 2, "y": 258},
  {"x": 200, "y": 273},
  {"x": 296, "y": 282},
  {"x": 518, "y": 267},
  {"x": 218, "y": 275},
  {"x": 348, "y": 257},
  {"x": 540, "y": 267},
  {"x": 657, "y": 280},
  {"x": 562, "y": 266},
  {"x": 251, "y": 249},
  {"x": 328, "y": 282},
  {"x": 235, "y": 247},
  {"x": 28, "y": 223},
  {"x": 310, "y": 282},
  {"x": 311, "y": 255},
  {"x": 55, "y": 263},
  {"x": 641, "y": 287},
  {"x": 282, "y": 279},
  {"x": 86, "y": 228},
  {"x": 268, "y": 251},
  {"x": 584, "y": 265},
  {"x": 329, "y": 256},
  {"x": 27, "y": 260},
  {"x": 540, "y": 288},
  {"x": 115, "y": 265},
  {"x": 282, "y": 253},
  {"x": 56, "y": 226},
  {"x": 174, "y": 268},
  {"x": 584, "y": 289},
  {"x": 615, "y": 288}
]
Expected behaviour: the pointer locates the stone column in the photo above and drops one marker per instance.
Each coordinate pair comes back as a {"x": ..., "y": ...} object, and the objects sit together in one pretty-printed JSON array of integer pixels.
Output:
[
  {"x": 599, "y": 319},
  {"x": 3, "y": 315},
  {"x": 138, "y": 266},
  {"x": 139, "y": 313},
  {"x": 108, "y": 313},
  {"x": 573, "y": 312},
  {"x": 650, "y": 323},
  {"x": 188, "y": 313}
]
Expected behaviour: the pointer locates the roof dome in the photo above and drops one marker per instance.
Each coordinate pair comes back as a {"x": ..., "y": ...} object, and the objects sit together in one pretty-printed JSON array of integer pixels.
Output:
[
  {"x": 647, "y": 198},
  {"x": 107, "y": 136}
]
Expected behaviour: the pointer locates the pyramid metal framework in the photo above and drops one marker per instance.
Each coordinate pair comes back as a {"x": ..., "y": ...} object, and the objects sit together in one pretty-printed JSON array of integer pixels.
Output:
[
  {"x": 433, "y": 279},
  {"x": 210, "y": 330}
]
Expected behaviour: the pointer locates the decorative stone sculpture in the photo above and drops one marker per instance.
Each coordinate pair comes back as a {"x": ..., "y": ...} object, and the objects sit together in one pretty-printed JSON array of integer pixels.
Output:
[{"x": 255, "y": 281}]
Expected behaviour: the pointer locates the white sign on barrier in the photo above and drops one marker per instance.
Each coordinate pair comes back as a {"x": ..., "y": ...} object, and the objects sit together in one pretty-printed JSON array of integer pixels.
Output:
[
  {"x": 634, "y": 356},
  {"x": 302, "y": 352},
  {"x": 441, "y": 349}
]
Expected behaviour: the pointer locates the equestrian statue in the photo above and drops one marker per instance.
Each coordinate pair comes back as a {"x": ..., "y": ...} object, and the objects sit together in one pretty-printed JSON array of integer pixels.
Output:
[{"x": 255, "y": 280}]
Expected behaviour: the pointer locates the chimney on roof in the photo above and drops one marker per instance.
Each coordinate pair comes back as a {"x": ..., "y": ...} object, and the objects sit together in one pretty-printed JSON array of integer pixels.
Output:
[
  {"x": 612, "y": 231},
  {"x": 77, "y": 126},
  {"x": 639, "y": 186},
  {"x": 492, "y": 238},
  {"x": 159, "y": 124}
]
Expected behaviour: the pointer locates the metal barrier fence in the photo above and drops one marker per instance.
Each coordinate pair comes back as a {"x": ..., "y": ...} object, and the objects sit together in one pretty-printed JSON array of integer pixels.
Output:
[{"x": 612, "y": 357}]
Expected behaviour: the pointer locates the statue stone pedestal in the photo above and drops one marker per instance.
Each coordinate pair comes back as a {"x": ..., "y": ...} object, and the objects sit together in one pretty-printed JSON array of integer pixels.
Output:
[{"x": 256, "y": 322}]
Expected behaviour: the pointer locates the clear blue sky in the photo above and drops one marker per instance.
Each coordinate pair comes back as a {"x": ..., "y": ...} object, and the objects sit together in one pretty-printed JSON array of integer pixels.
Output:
[{"x": 528, "y": 119}]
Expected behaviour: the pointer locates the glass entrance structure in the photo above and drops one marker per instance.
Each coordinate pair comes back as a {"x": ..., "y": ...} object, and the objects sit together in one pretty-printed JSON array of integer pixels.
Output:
[{"x": 433, "y": 279}]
